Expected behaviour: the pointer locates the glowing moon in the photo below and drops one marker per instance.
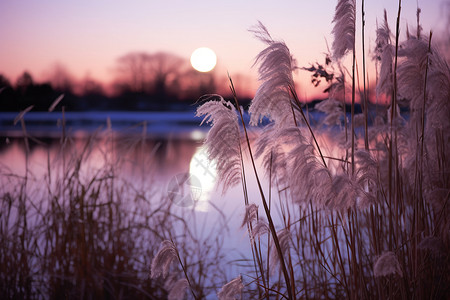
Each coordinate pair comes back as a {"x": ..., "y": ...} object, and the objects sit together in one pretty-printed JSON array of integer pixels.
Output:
[{"x": 203, "y": 59}]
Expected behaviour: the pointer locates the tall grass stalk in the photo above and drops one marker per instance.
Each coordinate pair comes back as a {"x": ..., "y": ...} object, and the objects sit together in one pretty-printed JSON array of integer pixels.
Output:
[
  {"x": 365, "y": 100},
  {"x": 379, "y": 230},
  {"x": 369, "y": 243},
  {"x": 290, "y": 290}
]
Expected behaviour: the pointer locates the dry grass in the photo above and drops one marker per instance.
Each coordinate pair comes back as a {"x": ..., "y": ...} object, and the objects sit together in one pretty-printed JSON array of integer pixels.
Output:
[
  {"x": 84, "y": 230},
  {"x": 356, "y": 229},
  {"x": 370, "y": 226}
]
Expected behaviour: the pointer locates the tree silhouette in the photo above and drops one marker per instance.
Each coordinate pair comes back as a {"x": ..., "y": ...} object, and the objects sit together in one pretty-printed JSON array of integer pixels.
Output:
[
  {"x": 61, "y": 79},
  {"x": 24, "y": 83},
  {"x": 153, "y": 74}
]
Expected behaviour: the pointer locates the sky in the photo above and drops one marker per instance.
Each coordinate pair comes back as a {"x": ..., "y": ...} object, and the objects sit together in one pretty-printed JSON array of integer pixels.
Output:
[{"x": 87, "y": 37}]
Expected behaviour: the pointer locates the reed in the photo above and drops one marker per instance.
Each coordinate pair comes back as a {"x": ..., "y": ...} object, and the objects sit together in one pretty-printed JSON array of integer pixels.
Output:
[
  {"x": 374, "y": 227},
  {"x": 357, "y": 230},
  {"x": 83, "y": 231}
]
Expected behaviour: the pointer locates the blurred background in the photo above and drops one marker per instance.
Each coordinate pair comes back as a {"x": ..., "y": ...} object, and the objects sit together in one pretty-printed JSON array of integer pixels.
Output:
[{"x": 134, "y": 55}]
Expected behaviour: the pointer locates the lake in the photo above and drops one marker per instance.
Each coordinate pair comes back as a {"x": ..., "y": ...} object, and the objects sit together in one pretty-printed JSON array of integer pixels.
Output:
[{"x": 157, "y": 157}]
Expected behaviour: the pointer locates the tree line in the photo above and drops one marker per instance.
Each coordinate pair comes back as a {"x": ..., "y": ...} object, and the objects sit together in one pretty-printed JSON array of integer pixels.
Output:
[{"x": 143, "y": 81}]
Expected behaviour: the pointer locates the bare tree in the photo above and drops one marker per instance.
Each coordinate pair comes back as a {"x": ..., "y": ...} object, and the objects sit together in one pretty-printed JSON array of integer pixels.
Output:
[
  {"x": 150, "y": 73},
  {"x": 193, "y": 84},
  {"x": 24, "y": 82},
  {"x": 134, "y": 71},
  {"x": 61, "y": 79}
]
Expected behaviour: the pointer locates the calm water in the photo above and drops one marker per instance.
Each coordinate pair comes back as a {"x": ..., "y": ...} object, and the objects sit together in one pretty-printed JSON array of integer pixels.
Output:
[{"x": 161, "y": 153}]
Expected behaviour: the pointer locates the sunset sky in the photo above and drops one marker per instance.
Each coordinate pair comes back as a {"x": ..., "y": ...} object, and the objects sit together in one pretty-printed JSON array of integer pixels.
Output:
[{"x": 87, "y": 37}]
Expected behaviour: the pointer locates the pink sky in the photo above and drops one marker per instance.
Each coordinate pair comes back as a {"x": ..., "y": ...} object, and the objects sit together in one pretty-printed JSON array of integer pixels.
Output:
[{"x": 87, "y": 37}]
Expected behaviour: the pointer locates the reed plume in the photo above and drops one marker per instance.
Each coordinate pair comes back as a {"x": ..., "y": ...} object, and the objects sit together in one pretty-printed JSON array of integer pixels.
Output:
[
  {"x": 231, "y": 289},
  {"x": 384, "y": 54},
  {"x": 258, "y": 229},
  {"x": 424, "y": 79},
  {"x": 251, "y": 214},
  {"x": 223, "y": 140},
  {"x": 269, "y": 147},
  {"x": 344, "y": 28},
  {"x": 387, "y": 264},
  {"x": 309, "y": 179},
  {"x": 178, "y": 290},
  {"x": 284, "y": 236},
  {"x": 276, "y": 64},
  {"x": 167, "y": 253},
  {"x": 344, "y": 41},
  {"x": 334, "y": 111}
]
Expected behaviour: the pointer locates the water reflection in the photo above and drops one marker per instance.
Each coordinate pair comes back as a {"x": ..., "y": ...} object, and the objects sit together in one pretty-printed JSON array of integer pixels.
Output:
[
  {"x": 137, "y": 158},
  {"x": 203, "y": 170}
]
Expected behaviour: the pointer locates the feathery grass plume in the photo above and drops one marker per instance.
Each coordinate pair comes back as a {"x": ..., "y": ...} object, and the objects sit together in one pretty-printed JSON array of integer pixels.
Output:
[
  {"x": 272, "y": 99},
  {"x": 334, "y": 111},
  {"x": 411, "y": 75},
  {"x": 344, "y": 28},
  {"x": 387, "y": 264},
  {"x": 344, "y": 193},
  {"x": 429, "y": 106},
  {"x": 384, "y": 53},
  {"x": 251, "y": 214},
  {"x": 170, "y": 280},
  {"x": 231, "y": 289},
  {"x": 259, "y": 228},
  {"x": 284, "y": 236},
  {"x": 433, "y": 244},
  {"x": 438, "y": 88},
  {"x": 223, "y": 141},
  {"x": 383, "y": 37},
  {"x": 367, "y": 167},
  {"x": 269, "y": 147},
  {"x": 359, "y": 120},
  {"x": 309, "y": 180},
  {"x": 162, "y": 260},
  {"x": 178, "y": 290},
  {"x": 366, "y": 178}
]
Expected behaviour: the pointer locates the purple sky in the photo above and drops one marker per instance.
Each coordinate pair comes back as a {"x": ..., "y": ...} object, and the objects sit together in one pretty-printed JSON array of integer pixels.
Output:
[{"x": 88, "y": 36}]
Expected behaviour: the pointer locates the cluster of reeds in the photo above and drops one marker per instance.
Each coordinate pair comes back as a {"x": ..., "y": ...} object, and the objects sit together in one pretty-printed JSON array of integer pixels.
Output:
[
  {"x": 84, "y": 229},
  {"x": 367, "y": 221}
]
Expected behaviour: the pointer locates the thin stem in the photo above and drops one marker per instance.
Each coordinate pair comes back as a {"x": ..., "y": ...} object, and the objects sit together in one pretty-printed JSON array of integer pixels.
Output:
[
  {"x": 294, "y": 94},
  {"x": 290, "y": 290},
  {"x": 353, "y": 110},
  {"x": 366, "y": 102},
  {"x": 256, "y": 257},
  {"x": 425, "y": 97},
  {"x": 185, "y": 272}
]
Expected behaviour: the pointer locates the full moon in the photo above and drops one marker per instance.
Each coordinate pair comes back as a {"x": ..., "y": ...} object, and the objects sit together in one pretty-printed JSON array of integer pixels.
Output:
[{"x": 203, "y": 59}]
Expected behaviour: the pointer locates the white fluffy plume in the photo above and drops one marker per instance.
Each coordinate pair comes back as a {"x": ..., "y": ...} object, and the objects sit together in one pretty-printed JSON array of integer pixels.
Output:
[
  {"x": 251, "y": 214},
  {"x": 162, "y": 260},
  {"x": 178, "y": 290},
  {"x": 259, "y": 228},
  {"x": 270, "y": 148},
  {"x": 284, "y": 236},
  {"x": 344, "y": 28},
  {"x": 223, "y": 141},
  {"x": 333, "y": 109},
  {"x": 387, "y": 264},
  {"x": 231, "y": 289},
  {"x": 384, "y": 53},
  {"x": 429, "y": 104},
  {"x": 272, "y": 99},
  {"x": 309, "y": 180}
]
